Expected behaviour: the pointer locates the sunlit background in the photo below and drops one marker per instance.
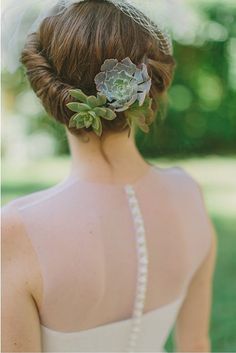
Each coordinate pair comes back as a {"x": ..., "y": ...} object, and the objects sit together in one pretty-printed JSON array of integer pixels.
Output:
[{"x": 198, "y": 133}]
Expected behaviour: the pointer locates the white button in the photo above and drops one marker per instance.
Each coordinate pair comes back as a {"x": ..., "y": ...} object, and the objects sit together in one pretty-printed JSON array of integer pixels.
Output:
[
  {"x": 133, "y": 200},
  {"x": 143, "y": 260},
  {"x": 141, "y": 229},
  {"x": 139, "y": 302},
  {"x": 140, "y": 306},
  {"x": 132, "y": 197},
  {"x": 135, "y": 211},
  {"x": 137, "y": 218},
  {"x": 141, "y": 295},
  {"x": 141, "y": 239},
  {"x": 142, "y": 249},
  {"x": 141, "y": 235},
  {"x": 141, "y": 287},
  {"x": 138, "y": 221},
  {"x": 142, "y": 279},
  {"x": 137, "y": 313},
  {"x": 143, "y": 270},
  {"x": 131, "y": 193}
]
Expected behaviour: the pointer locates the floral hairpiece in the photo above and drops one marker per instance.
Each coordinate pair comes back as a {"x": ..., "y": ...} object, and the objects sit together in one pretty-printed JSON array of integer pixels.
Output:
[{"x": 122, "y": 87}]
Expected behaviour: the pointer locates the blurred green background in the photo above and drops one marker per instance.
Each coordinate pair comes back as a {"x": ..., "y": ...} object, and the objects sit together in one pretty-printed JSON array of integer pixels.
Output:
[{"x": 198, "y": 133}]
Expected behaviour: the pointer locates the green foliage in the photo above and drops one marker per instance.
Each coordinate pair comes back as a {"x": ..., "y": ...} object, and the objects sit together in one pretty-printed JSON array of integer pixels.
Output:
[
  {"x": 142, "y": 116},
  {"x": 202, "y": 114},
  {"x": 89, "y": 112}
]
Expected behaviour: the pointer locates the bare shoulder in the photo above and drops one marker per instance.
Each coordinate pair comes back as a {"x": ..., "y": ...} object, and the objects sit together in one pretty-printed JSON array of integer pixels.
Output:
[
  {"x": 187, "y": 197},
  {"x": 33, "y": 197},
  {"x": 181, "y": 183},
  {"x": 21, "y": 285},
  {"x": 187, "y": 191},
  {"x": 11, "y": 228},
  {"x": 19, "y": 261}
]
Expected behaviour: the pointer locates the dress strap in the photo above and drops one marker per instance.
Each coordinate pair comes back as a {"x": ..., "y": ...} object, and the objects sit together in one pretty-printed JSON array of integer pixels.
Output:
[{"x": 142, "y": 256}]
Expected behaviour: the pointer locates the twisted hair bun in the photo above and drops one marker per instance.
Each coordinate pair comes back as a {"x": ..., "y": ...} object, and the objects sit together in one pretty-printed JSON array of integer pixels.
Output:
[
  {"x": 68, "y": 51},
  {"x": 44, "y": 81}
]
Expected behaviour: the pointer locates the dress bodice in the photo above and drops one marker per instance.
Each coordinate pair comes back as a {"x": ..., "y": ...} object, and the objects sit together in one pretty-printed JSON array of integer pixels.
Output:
[
  {"x": 154, "y": 331},
  {"x": 115, "y": 260}
]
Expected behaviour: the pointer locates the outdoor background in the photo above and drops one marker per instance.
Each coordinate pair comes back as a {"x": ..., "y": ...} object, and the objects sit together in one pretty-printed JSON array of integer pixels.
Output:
[{"x": 198, "y": 134}]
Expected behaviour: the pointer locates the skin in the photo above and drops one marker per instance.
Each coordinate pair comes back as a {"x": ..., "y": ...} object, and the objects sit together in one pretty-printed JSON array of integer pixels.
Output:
[
  {"x": 20, "y": 274},
  {"x": 193, "y": 322}
]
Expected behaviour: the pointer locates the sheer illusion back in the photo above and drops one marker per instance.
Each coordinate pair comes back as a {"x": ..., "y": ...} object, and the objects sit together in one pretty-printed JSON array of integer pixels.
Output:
[{"x": 115, "y": 259}]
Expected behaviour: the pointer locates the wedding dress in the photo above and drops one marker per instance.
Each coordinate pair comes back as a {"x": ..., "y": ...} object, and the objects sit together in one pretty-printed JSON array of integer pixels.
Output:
[{"x": 116, "y": 259}]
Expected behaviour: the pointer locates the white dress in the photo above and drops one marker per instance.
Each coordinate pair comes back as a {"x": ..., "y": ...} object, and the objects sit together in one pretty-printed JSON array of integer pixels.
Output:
[{"x": 116, "y": 260}]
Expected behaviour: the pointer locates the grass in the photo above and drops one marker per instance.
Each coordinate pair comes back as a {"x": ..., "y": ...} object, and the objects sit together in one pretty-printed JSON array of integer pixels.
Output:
[{"x": 216, "y": 175}]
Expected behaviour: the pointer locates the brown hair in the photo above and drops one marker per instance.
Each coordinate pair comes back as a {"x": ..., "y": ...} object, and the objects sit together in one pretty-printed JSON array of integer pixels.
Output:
[{"x": 69, "y": 49}]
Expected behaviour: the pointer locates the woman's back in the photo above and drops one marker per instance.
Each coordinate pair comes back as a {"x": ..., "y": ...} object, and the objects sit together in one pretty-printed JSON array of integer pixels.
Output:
[
  {"x": 86, "y": 239},
  {"x": 98, "y": 266}
]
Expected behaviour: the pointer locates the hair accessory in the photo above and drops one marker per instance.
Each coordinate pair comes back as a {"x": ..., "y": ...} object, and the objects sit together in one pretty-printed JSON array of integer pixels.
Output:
[
  {"x": 122, "y": 87},
  {"x": 23, "y": 17}
]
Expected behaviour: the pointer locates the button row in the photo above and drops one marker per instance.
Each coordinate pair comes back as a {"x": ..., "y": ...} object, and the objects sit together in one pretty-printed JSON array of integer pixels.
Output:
[{"x": 142, "y": 268}]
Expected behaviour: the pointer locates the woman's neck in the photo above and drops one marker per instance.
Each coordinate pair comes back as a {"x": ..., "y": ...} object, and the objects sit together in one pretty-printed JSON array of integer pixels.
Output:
[{"x": 114, "y": 158}]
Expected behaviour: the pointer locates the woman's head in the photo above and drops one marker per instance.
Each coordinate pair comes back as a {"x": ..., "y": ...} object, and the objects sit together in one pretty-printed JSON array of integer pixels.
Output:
[{"x": 69, "y": 49}]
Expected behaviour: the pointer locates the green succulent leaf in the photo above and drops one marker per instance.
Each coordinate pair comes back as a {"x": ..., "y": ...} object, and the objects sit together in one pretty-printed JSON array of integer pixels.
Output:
[
  {"x": 78, "y": 107},
  {"x": 129, "y": 120},
  {"x": 96, "y": 123},
  {"x": 101, "y": 99},
  {"x": 97, "y": 126},
  {"x": 110, "y": 114},
  {"x": 83, "y": 107},
  {"x": 144, "y": 127},
  {"x": 140, "y": 120},
  {"x": 78, "y": 94},
  {"x": 100, "y": 111},
  {"x": 92, "y": 101},
  {"x": 72, "y": 123},
  {"x": 93, "y": 114},
  {"x": 77, "y": 122},
  {"x": 142, "y": 116},
  {"x": 73, "y": 120},
  {"x": 82, "y": 115},
  {"x": 80, "y": 124},
  {"x": 88, "y": 123},
  {"x": 134, "y": 107}
]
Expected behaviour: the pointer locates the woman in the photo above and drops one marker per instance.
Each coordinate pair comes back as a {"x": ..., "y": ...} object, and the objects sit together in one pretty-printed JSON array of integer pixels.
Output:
[{"x": 121, "y": 250}]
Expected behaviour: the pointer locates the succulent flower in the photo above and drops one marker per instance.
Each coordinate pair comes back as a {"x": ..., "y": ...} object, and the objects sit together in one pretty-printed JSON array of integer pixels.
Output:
[
  {"x": 122, "y": 87},
  {"x": 141, "y": 116},
  {"x": 89, "y": 111},
  {"x": 123, "y": 83}
]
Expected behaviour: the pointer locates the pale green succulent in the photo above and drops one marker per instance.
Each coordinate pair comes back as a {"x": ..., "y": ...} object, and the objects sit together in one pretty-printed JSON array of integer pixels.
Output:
[
  {"x": 141, "y": 116},
  {"x": 123, "y": 83},
  {"x": 89, "y": 111},
  {"x": 122, "y": 87}
]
